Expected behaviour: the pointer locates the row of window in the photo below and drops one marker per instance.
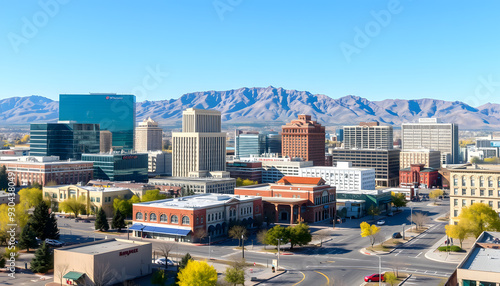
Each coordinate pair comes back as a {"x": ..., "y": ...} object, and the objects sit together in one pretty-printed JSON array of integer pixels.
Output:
[
  {"x": 464, "y": 203},
  {"x": 473, "y": 192},
  {"x": 472, "y": 181},
  {"x": 163, "y": 218}
]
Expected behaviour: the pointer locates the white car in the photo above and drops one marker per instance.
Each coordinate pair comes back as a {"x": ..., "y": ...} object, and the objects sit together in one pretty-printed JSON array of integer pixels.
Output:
[
  {"x": 161, "y": 261},
  {"x": 380, "y": 222},
  {"x": 53, "y": 242}
]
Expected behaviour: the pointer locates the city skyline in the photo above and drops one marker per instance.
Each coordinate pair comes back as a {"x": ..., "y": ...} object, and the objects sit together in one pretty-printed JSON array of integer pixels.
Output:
[{"x": 377, "y": 50}]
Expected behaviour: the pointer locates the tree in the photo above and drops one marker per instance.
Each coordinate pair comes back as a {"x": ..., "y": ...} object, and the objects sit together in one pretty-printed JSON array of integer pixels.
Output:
[
  {"x": 30, "y": 197},
  {"x": 321, "y": 236},
  {"x": 197, "y": 273},
  {"x": 200, "y": 234},
  {"x": 165, "y": 249},
  {"x": 261, "y": 237},
  {"x": 44, "y": 223},
  {"x": 118, "y": 221},
  {"x": 61, "y": 271},
  {"x": 275, "y": 234},
  {"x": 159, "y": 277},
  {"x": 101, "y": 222},
  {"x": 398, "y": 200},
  {"x": 28, "y": 238},
  {"x": 237, "y": 232},
  {"x": 370, "y": 231},
  {"x": 342, "y": 213},
  {"x": 184, "y": 261},
  {"x": 373, "y": 211},
  {"x": 234, "y": 276},
  {"x": 4, "y": 180},
  {"x": 479, "y": 217},
  {"x": 299, "y": 234},
  {"x": 434, "y": 195},
  {"x": 420, "y": 219},
  {"x": 43, "y": 260},
  {"x": 456, "y": 231},
  {"x": 245, "y": 182},
  {"x": 74, "y": 205},
  {"x": 104, "y": 275},
  {"x": 153, "y": 195},
  {"x": 390, "y": 278},
  {"x": 37, "y": 186},
  {"x": 475, "y": 160},
  {"x": 125, "y": 206}
]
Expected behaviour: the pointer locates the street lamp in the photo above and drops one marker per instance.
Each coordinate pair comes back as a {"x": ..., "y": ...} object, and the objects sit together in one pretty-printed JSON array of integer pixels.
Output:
[
  {"x": 242, "y": 246},
  {"x": 209, "y": 253},
  {"x": 404, "y": 224},
  {"x": 379, "y": 269}
]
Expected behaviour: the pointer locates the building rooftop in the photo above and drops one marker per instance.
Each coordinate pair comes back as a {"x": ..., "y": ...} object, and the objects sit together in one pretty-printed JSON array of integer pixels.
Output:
[
  {"x": 292, "y": 180},
  {"x": 38, "y": 160},
  {"x": 341, "y": 167},
  {"x": 102, "y": 246},
  {"x": 179, "y": 179},
  {"x": 485, "y": 255},
  {"x": 197, "y": 201},
  {"x": 364, "y": 192},
  {"x": 90, "y": 188},
  {"x": 422, "y": 170}
]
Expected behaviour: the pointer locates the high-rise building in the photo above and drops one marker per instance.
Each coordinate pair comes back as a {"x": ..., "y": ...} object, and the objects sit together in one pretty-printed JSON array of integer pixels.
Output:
[
  {"x": 115, "y": 113},
  {"x": 148, "y": 136},
  {"x": 429, "y": 133},
  {"x": 106, "y": 141},
  {"x": 252, "y": 143},
  {"x": 67, "y": 140},
  {"x": 201, "y": 146},
  {"x": 368, "y": 135},
  {"x": 430, "y": 158},
  {"x": 304, "y": 138}
]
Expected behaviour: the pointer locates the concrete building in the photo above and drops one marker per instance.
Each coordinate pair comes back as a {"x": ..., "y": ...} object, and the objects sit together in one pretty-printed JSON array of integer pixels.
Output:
[
  {"x": 430, "y": 133},
  {"x": 201, "y": 146},
  {"x": 253, "y": 143},
  {"x": 180, "y": 219},
  {"x": 6, "y": 197},
  {"x": 274, "y": 168},
  {"x": 159, "y": 163},
  {"x": 430, "y": 158},
  {"x": 245, "y": 170},
  {"x": 293, "y": 199},
  {"x": 372, "y": 198},
  {"x": 102, "y": 262},
  {"x": 198, "y": 185},
  {"x": 304, "y": 138},
  {"x": 481, "y": 266},
  {"x": 343, "y": 177},
  {"x": 481, "y": 153},
  {"x": 368, "y": 135},
  {"x": 419, "y": 177},
  {"x": 106, "y": 141},
  {"x": 28, "y": 170},
  {"x": 148, "y": 136},
  {"x": 118, "y": 166},
  {"x": 385, "y": 162},
  {"x": 474, "y": 185}
]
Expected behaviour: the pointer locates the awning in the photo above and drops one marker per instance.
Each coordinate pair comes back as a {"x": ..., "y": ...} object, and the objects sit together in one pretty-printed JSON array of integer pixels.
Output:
[
  {"x": 137, "y": 226},
  {"x": 73, "y": 275},
  {"x": 167, "y": 230}
]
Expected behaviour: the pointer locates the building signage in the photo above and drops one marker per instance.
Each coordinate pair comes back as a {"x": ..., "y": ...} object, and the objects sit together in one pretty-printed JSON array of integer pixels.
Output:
[
  {"x": 129, "y": 157},
  {"x": 127, "y": 252},
  {"x": 495, "y": 143},
  {"x": 113, "y": 97}
]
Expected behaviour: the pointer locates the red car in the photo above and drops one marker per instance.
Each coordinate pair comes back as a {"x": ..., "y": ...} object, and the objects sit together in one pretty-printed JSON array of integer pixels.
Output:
[{"x": 374, "y": 278}]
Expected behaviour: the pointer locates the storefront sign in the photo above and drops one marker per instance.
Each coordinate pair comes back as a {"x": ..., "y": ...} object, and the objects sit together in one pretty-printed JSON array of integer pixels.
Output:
[{"x": 127, "y": 252}]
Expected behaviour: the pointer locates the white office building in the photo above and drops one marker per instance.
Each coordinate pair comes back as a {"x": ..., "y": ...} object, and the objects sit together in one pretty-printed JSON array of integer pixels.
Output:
[
  {"x": 343, "y": 176},
  {"x": 368, "y": 135}
]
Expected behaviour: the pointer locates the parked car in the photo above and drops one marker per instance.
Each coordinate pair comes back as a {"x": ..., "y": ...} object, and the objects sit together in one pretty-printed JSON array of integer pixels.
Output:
[
  {"x": 161, "y": 261},
  {"x": 397, "y": 235},
  {"x": 53, "y": 242},
  {"x": 77, "y": 220},
  {"x": 374, "y": 278},
  {"x": 86, "y": 221},
  {"x": 381, "y": 222}
]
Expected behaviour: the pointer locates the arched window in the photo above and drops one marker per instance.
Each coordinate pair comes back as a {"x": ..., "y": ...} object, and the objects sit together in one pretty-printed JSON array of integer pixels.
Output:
[
  {"x": 174, "y": 219},
  {"x": 152, "y": 217},
  {"x": 490, "y": 182},
  {"x": 185, "y": 220},
  {"x": 138, "y": 216},
  {"x": 464, "y": 181},
  {"x": 163, "y": 218},
  {"x": 455, "y": 180},
  {"x": 324, "y": 197}
]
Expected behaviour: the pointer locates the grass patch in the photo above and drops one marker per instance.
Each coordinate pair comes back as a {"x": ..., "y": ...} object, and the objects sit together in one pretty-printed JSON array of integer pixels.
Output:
[
  {"x": 450, "y": 248},
  {"x": 274, "y": 250},
  {"x": 379, "y": 247}
]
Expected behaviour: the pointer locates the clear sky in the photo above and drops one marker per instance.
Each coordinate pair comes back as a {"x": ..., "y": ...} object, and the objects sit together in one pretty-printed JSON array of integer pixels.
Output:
[{"x": 162, "y": 49}]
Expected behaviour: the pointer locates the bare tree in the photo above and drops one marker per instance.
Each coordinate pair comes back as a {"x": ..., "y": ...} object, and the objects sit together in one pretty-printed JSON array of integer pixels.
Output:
[
  {"x": 396, "y": 264},
  {"x": 103, "y": 275},
  {"x": 321, "y": 236},
  {"x": 237, "y": 232},
  {"x": 200, "y": 234},
  {"x": 420, "y": 219},
  {"x": 261, "y": 237},
  {"x": 165, "y": 249},
  {"x": 61, "y": 271}
]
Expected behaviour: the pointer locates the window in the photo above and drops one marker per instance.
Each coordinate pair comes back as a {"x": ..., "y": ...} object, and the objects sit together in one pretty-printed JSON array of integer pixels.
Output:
[
  {"x": 455, "y": 191},
  {"x": 481, "y": 192},
  {"x": 202, "y": 221},
  {"x": 472, "y": 202},
  {"x": 472, "y": 181},
  {"x": 98, "y": 200},
  {"x": 481, "y": 181},
  {"x": 185, "y": 220},
  {"x": 490, "y": 182},
  {"x": 92, "y": 199},
  {"x": 464, "y": 203},
  {"x": 138, "y": 216},
  {"x": 455, "y": 213},
  {"x": 490, "y": 193},
  {"x": 472, "y": 192},
  {"x": 174, "y": 219},
  {"x": 456, "y": 202},
  {"x": 490, "y": 203},
  {"x": 464, "y": 181},
  {"x": 455, "y": 181},
  {"x": 163, "y": 218},
  {"x": 152, "y": 217},
  {"x": 464, "y": 192},
  {"x": 197, "y": 220}
]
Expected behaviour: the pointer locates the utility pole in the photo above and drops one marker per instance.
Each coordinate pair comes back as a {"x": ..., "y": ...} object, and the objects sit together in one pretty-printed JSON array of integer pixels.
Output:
[
  {"x": 243, "y": 246},
  {"x": 278, "y": 263},
  {"x": 209, "y": 253}
]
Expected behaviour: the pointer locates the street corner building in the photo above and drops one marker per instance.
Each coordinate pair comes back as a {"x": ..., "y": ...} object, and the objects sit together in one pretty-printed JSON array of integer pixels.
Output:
[
  {"x": 181, "y": 219},
  {"x": 104, "y": 262}
]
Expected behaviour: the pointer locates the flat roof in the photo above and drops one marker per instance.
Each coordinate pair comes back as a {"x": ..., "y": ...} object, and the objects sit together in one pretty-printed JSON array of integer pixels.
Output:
[
  {"x": 184, "y": 179},
  {"x": 197, "y": 201},
  {"x": 90, "y": 188},
  {"x": 332, "y": 168},
  {"x": 283, "y": 200},
  {"x": 102, "y": 246},
  {"x": 363, "y": 192},
  {"x": 485, "y": 256}
]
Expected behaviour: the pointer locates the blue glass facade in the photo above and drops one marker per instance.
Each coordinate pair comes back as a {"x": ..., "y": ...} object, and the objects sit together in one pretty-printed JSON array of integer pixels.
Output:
[
  {"x": 66, "y": 140},
  {"x": 119, "y": 167},
  {"x": 112, "y": 112}
]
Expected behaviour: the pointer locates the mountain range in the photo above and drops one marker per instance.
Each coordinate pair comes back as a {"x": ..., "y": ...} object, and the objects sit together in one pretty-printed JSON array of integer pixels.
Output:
[{"x": 263, "y": 105}]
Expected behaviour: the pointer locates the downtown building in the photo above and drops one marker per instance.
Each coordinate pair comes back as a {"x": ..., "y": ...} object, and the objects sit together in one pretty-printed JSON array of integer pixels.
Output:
[
  {"x": 148, "y": 136},
  {"x": 213, "y": 182},
  {"x": 368, "y": 135},
  {"x": 430, "y": 133},
  {"x": 201, "y": 146},
  {"x": 118, "y": 166},
  {"x": 252, "y": 143},
  {"x": 305, "y": 139},
  {"x": 430, "y": 158}
]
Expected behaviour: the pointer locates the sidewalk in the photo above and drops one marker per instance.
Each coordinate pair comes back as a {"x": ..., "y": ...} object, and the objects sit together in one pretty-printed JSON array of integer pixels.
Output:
[
  {"x": 258, "y": 272},
  {"x": 410, "y": 235},
  {"x": 449, "y": 257}
]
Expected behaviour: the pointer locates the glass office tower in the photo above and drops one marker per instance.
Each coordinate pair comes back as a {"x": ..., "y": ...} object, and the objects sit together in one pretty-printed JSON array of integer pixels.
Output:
[
  {"x": 115, "y": 113},
  {"x": 119, "y": 167},
  {"x": 64, "y": 139}
]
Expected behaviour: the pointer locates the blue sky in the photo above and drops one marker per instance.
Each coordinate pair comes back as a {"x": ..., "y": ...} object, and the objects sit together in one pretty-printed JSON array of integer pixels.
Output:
[{"x": 162, "y": 49}]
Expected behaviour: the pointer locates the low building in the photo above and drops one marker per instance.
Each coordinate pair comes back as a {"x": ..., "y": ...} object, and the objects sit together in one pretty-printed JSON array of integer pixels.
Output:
[
  {"x": 159, "y": 163},
  {"x": 198, "y": 185},
  {"x": 372, "y": 198},
  {"x": 138, "y": 189},
  {"x": 119, "y": 167},
  {"x": 409, "y": 193},
  {"x": 294, "y": 199},
  {"x": 28, "y": 170},
  {"x": 182, "y": 218},
  {"x": 102, "y": 262},
  {"x": 481, "y": 266},
  {"x": 344, "y": 176},
  {"x": 419, "y": 176},
  {"x": 353, "y": 208},
  {"x": 245, "y": 170},
  {"x": 430, "y": 158}
]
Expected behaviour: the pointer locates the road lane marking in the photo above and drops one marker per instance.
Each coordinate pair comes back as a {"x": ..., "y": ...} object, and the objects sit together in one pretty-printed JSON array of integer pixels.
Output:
[
  {"x": 418, "y": 255},
  {"x": 398, "y": 253},
  {"x": 304, "y": 277},
  {"x": 327, "y": 279}
]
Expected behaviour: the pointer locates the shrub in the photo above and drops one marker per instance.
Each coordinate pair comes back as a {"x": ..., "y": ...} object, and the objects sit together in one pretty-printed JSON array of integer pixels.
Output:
[{"x": 452, "y": 248}]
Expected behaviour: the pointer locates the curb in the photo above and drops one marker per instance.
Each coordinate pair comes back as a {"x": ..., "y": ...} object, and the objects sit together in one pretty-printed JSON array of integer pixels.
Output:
[
  {"x": 272, "y": 277},
  {"x": 403, "y": 282}
]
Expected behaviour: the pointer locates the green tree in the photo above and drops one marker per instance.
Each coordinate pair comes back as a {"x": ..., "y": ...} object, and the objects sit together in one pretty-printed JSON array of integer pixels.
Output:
[
  {"x": 197, "y": 273},
  {"x": 153, "y": 195},
  {"x": 43, "y": 260},
  {"x": 234, "y": 276},
  {"x": 28, "y": 238},
  {"x": 434, "y": 195},
  {"x": 479, "y": 217},
  {"x": 118, "y": 221},
  {"x": 456, "y": 231},
  {"x": 44, "y": 223},
  {"x": 299, "y": 234},
  {"x": 239, "y": 182},
  {"x": 4, "y": 180},
  {"x": 159, "y": 277},
  {"x": 390, "y": 278},
  {"x": 237, "y": 232},
  {"x": 101, "y": 222},
  {"x": 184, "y": 261},
  {"x": 74, "y": 205},
  {"x": 370, "y": 231},
  {"x": 398, "y": 200},
  {"x": 373, "y": 211},
  {"x": 277, "y": 233},
  {"x": 475, "y": 160},
  {"x": 30, "y": 197},
  {"x": 125, "y": 206},
  {"x": 36, "y": 185}
]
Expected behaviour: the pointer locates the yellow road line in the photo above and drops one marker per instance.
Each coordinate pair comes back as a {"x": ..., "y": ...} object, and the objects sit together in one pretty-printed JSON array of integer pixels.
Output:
[
  {"x": 300, "y": 280},
  {"x": 327, "y": 279}
]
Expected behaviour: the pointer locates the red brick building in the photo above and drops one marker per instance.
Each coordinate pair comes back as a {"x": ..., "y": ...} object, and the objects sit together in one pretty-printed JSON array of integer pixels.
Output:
[
  {"x": 304, "y": 138},
  {"x": 181, "y": 218},
  {"x": 294, "y": 199},
  {"x": 417, "y": 175}
]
